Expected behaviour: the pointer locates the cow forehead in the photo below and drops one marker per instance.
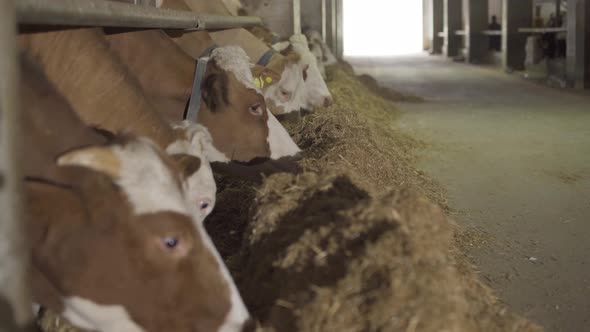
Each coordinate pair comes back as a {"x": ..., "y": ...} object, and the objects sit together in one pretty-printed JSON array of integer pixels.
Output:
[
  {"x": 149, "y": 182},
  {"x": 235, "y": 60}
]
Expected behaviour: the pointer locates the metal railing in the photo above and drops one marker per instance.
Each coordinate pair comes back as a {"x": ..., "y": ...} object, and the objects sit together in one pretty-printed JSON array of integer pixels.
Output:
[{"x": 116, "y": 14}]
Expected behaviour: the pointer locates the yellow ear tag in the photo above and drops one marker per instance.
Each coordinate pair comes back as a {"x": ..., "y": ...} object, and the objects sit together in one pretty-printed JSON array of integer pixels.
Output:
[
  {"x": 268, "y": 79},
  {"x": 258, "y": 82}
]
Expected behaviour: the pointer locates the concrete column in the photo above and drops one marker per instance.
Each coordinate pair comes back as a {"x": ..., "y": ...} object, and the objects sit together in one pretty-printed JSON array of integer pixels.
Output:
[
  {"x": 476, "y": 20},
  {"x": 437, "y": 26},
  {"x": 515, "y": 14},
  {"x": 452, "y": 22},
  {"x": 15, "y": 299},
  {"x": 339, "y": 29},
  {"x": 578, "y": 44}
]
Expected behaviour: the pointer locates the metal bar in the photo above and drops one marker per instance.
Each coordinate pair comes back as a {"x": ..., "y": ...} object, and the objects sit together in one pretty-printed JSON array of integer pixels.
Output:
[
  {"x": 296, "y": 17},
  {"x": 116, "y": 14},
  {"x": 14, "y": 254},
  {"x": 333, "y": 25},
  {"x": 324, "y": 31}
]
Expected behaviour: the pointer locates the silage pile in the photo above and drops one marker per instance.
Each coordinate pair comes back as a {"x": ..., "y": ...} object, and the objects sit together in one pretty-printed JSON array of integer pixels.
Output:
[{"x": 359, "y": 241}]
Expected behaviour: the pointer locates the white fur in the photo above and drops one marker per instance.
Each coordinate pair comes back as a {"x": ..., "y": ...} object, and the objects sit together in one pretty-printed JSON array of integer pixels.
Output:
[
  {"x": 88, "y": 315},
  {"x": 291, "y": 81},
  {"x": 316, "y": 89},
  {"x": 147, "y": 181},
  {"x": 281, "y": 144},
  {"x": 281, "y": 46},
  {"x": 201, "y": 184},
  {"x": 235, "y": 60}
]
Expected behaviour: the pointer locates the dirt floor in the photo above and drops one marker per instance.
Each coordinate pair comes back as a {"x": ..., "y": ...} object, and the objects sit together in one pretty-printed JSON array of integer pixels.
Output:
[{"x": 514, "y": 158}]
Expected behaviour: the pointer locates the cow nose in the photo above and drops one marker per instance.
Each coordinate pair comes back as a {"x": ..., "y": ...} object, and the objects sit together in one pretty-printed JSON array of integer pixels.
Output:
[{"x": 328, "y": 101}]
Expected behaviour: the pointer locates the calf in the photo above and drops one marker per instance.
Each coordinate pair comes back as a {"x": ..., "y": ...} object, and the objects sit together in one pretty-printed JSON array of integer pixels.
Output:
[{"x": 114, "y": 243}]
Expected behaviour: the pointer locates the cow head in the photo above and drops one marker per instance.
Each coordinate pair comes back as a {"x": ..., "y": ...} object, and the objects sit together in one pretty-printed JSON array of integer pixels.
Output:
[
  {"x": 287, "y": 94},
  {"x": 234, "y": 112},
  {"x": 317, "y": 92},
  {"x": 194, "y": 140},
  {"x": 120, "y": 250}
]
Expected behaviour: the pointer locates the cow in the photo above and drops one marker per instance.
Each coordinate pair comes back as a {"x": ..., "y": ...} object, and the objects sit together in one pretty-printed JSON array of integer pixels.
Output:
[
  {"x": 317, "y": 43},
  {"x": 115, "y": 246},
  {"x": 105, "y": 95},
  {"x": 282, "y": 96},
  {"x": 288, "y": 94},
  {"x": 232, "y": 108}
]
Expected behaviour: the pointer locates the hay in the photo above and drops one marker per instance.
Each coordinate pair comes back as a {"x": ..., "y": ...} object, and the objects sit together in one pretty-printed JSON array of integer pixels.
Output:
[
  {"x": 351, "y": 244},
  {"x": 321, "y": 254}
]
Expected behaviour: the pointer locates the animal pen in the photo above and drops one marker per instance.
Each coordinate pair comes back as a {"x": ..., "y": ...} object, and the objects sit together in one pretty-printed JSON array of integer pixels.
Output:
[{"x": 15, "y": 300}]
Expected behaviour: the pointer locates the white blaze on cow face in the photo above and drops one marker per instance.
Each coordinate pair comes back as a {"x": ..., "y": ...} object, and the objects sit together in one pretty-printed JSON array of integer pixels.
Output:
[
  {"x": 88, "y": 315},
  {"x": 128, "y": 165},
  {"x": 316, "y": 89},
  {"x": 281, "y": 144},
  {"x": 201, "y": 187},
  {"x": 289, "y": 93}
]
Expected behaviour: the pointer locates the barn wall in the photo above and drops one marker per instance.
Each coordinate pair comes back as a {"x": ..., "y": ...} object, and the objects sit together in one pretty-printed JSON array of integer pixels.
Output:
[{"x": 311, "y": 15}]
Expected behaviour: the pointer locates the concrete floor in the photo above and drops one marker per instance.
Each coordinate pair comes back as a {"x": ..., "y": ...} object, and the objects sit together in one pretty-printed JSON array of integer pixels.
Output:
[{"x": 515, "y": 159}]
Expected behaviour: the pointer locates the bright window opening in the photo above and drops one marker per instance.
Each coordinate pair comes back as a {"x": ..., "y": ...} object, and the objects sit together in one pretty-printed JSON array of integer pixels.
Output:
[{"x": 382, "y": 27}]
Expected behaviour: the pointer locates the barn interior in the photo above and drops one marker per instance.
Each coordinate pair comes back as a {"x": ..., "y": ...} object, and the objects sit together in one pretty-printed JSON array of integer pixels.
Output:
[{"x": 442, "y": 184}]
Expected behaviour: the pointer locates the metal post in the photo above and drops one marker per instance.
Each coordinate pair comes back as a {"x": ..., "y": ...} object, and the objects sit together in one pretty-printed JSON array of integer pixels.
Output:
[
  {"x": 115, "y": 14},
  {"x": 333, "y": 25},
  {"x": 14, "y": 254},
  {"x": 324, "y": 31},
  {"x": 296, "y": 16},
  {"x": 339, "y": 29}
]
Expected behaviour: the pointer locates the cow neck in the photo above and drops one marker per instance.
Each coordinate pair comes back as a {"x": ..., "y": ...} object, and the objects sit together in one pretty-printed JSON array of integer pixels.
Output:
[
  {"x": 95, "y": 82},
  {"x": 51, "y": 125},
  {"x": 200, "y": 70}
]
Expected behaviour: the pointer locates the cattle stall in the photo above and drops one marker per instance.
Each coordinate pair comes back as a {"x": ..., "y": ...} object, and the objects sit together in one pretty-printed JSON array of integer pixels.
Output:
[{"x": 39, "y": 15}]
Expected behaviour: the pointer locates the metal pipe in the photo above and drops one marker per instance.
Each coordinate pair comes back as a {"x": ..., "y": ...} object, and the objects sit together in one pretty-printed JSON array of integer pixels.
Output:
[
  {"x": 14, "y": 253},
  {"x": 324, "y": 31},
  {"x": 116, "y": 14},
  {"x": 333, "y": 25},
  {"x": 296, "y": 17}
]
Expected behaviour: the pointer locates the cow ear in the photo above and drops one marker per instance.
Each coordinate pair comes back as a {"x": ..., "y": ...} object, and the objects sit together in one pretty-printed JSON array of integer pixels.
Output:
[
  {"x": 304, "y": 71},
  {"x": 188, "y": 164},
  {"x": 102, "y": 159}
]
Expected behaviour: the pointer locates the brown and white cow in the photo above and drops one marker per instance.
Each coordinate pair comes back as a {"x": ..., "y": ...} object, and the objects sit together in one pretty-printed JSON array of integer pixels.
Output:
[
  {"x": 105, "y": 95},
  {"x": 288, "y": 94},
  {"x": 114, "y": 243},
  {"x": 232, "y": 108}
]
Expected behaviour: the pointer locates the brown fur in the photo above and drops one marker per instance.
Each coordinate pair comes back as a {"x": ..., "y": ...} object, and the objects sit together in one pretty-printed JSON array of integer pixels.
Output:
[
  {"x": 86, "y": 242},
  {"x": 96, "y": 83},
  {"x": 167, "y": 74}
]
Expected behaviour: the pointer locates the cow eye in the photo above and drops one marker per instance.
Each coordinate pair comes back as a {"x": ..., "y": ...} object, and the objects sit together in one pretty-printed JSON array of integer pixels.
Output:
[
  {"x": 255, "y": 109},
  {"x": 171, "y": 242}
]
